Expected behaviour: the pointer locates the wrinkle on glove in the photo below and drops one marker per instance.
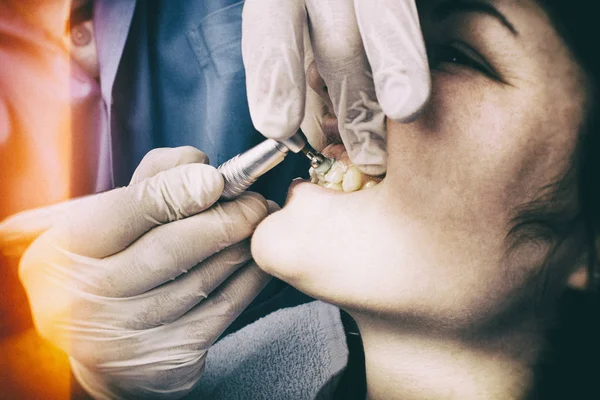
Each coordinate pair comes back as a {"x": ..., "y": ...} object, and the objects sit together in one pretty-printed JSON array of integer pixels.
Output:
[{"x": 296, "y": 353}]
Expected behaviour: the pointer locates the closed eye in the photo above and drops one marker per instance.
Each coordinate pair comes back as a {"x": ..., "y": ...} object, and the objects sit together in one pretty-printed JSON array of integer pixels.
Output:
[{"x": 459, "y": 54}]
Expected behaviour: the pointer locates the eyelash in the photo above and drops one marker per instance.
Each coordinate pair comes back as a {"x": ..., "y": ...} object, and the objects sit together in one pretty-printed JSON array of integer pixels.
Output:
[{"x": 449, "y": 53}]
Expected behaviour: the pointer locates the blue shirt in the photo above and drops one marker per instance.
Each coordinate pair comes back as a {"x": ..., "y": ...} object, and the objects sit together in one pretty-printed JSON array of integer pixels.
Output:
[{"x": 179, "y": 81}]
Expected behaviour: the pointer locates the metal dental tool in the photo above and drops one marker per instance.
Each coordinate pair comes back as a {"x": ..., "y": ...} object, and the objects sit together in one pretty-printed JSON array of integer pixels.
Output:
[{"x": 244, "y": 169}]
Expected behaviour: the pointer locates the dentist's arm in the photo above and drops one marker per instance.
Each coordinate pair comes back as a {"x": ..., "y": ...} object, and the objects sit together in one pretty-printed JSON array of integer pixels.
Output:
[{"x": 371, "y": 55}]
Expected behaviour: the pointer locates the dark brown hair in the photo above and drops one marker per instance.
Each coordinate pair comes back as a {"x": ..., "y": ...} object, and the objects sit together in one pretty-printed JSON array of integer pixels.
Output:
[
  {"x": 577, "y": 23},
  {"x": 552, "y": 217}
]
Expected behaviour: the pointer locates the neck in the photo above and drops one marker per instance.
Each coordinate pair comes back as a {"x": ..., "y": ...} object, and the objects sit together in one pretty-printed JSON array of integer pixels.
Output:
[{"x": 414, "y": 366}]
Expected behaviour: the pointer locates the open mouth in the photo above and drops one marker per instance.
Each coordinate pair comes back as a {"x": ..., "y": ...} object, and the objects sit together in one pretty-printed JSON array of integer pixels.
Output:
[{"x": 343, "y": 176}]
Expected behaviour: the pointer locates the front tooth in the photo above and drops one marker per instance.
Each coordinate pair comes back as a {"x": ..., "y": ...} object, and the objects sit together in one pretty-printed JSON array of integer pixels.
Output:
[
  {"x": 335, "y": 174},
  {"x": 352, "y": 180}
]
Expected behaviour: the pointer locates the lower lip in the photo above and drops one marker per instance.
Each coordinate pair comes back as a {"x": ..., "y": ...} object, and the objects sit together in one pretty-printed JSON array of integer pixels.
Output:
[
  {"x": 297, "y": 182},
  {"x": 305, "y": 186}
]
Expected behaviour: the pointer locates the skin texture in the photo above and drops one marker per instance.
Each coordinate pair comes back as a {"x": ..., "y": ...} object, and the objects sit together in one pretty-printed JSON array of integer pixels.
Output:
[{"x": 446, "y": 307}]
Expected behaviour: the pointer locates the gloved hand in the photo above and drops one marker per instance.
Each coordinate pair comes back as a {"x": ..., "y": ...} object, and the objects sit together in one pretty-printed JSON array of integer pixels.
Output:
[
  {"x": 388, "y": 76},
  {"x": 136, "y": 284}
]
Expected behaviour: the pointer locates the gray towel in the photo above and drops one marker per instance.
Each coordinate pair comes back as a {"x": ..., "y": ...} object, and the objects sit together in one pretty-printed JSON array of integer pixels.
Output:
[{"x": 292, "y": 354}]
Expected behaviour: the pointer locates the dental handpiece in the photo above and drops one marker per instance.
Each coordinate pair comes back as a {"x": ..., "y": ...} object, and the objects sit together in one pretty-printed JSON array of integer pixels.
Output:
[{"x": 244, "y": 169}]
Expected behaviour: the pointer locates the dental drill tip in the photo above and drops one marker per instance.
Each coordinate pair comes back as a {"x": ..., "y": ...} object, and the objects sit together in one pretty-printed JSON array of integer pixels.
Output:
[
  {"x": 318, "y": 161},
  {"x": 323, "y": 166},
  {"x": 308, "y": 151}
]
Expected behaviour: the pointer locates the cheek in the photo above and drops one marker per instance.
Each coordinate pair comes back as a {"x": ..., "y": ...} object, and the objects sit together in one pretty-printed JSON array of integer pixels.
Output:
[{"x": 475, "y": 154}]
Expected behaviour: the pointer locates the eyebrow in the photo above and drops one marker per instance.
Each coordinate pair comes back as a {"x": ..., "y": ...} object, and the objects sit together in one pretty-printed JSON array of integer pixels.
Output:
[{"x": 450, "y": 7}]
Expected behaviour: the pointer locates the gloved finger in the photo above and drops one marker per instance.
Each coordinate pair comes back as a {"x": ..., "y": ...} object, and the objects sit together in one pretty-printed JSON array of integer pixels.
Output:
[
  {"x": 169, "y": 379},
  {"x": 395, "y": 48},
  {"x": 162, "y": 159},
  {"x": 107, "y": 223},
  {"x": 172, "y": 249},
  {"x": 317, "y": 100},
  {"x": 170, "y": 301},
  {"x": 193, "y": 332},
  {"x": 272, "y": 207},
  {"x": 343, "y": 64},
  {"x": 273, "y": 53},
  {"x": 132, "y": 380},
  {"x": 314, "y": 103},
  {"x": 209, "y": 319},
  {"x": 180, "y": 344},
  {"x": 19, "y": 230}
]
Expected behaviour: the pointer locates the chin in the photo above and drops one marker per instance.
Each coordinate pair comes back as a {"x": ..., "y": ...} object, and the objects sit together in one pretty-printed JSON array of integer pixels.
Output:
[
  {"x": 318, "y": 239},
  {"x": 306, "y": 243}
]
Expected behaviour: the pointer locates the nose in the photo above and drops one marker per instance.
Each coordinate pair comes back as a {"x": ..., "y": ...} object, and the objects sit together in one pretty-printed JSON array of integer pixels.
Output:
[{"x": 316, "y": 82}]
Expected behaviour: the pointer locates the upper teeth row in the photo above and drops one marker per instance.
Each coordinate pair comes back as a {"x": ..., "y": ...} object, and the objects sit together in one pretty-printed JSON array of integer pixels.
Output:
[{"x": 342, "y": 178}]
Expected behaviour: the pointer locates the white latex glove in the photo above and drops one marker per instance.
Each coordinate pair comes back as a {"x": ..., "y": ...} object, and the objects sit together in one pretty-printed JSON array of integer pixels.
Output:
[
  {"x": 349, "y": 39},
  {"x": 136, "y": 284}
]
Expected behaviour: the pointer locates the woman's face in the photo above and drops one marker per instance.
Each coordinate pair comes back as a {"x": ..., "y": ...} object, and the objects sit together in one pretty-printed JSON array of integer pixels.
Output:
[{"x": 429, "y": 243}]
